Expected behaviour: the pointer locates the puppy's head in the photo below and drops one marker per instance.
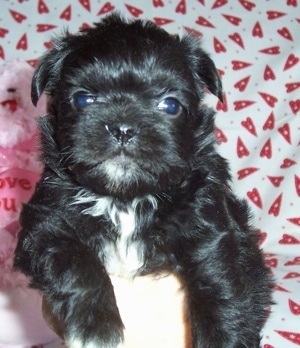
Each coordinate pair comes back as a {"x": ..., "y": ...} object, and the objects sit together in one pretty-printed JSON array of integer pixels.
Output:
[{"x": 125, "y": 105}]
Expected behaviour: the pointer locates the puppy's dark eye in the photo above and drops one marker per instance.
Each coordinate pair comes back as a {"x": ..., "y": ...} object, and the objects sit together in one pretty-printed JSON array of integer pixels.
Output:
[
  {"x": 81, "y": 100},
  {"x": 170, "y": 106}
]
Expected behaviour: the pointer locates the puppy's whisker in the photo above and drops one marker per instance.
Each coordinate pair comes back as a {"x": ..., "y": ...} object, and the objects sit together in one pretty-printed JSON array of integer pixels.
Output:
[
  {"x": 163, "y": 196},
  {"x": 67, "y": 158}
]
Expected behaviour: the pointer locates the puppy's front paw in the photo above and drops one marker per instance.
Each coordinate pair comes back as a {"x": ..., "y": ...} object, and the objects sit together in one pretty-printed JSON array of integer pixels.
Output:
[
  {"x": 93, "y": 325},
  {"x": 104, "y": 334}
]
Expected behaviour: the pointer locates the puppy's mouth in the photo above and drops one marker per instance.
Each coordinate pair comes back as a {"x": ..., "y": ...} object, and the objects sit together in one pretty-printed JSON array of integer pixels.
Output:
[
  {"x": 122, "y": 160},
  {"x": 122, "y": 165},
  {"x": 128, "y": 171}
]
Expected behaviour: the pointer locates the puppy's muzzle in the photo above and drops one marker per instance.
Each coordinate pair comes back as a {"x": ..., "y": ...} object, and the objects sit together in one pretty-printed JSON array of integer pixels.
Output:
[{"x": 122, "y": 133}]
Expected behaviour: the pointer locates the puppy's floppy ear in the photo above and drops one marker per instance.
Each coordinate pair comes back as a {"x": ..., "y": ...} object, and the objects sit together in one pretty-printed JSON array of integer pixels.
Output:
[
  {"x": 48, "y": 71},
  {"x": 208, "y": 73}
]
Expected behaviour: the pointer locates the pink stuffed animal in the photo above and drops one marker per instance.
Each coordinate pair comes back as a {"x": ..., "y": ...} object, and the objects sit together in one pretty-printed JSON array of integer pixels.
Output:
[{"x": 21, "y": 322}]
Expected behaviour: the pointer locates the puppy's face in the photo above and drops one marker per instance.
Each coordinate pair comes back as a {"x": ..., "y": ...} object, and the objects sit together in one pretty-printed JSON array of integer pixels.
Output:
[{"x": 125, "y": 101}]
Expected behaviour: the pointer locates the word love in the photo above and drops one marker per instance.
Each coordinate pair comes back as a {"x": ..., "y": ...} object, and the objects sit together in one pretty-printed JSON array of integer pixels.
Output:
[
  {"x": 8, "y": 202},
  {"x": 16, "y": 187},
  {"x": 12, "y": 183}
]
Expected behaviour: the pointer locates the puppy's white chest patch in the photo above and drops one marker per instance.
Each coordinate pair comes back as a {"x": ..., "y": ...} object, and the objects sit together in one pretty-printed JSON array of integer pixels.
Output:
[{"x": 123, "y": 256}]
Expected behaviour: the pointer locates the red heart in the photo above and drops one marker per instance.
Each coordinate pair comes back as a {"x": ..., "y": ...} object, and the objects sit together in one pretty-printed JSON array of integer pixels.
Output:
[
  {"x": 106, "y": 8},
  {"x": 249, "y": 125},
  {"x": 279, "y": 288},
  {"x": 285, "y": 132},
  {"x": 134, "y": 11},
  {"x": 262, "y": 237},
  {"x": 295, "y": 221},
  {"x": 254, "y": 197},
  {"x": 219, "y": 47},
  {"x": 232, "y": 19},
  {"x": 275, "y": 14},
  {"x": 243, "y": 173},
  {"x": 290, "y": 87},
  {"x": 158, "y": 3},
  {"x": 257, "y": 30},
  {"x": 220, "y": 136},
  {"x": 292, "y": 3},
  {"x": 276, "y": 206},
  {"x": 48, "y": 44},
  {"x": 295, "y": 105},
  {"x": 221, "y": 72},
  {"x": 219, "y": 3},
  {"x": 266, "y": 150},
  {"x": 222, "y": 106},
  {"x": 42, "y": 7},
  {"x": 288, "y": 239},
  {"x": 270, "y": 122},
  {"x": 85, "y": 26},
  {"x": 242, "y": 104},
  {"x": 241, "y": 148},
  {"x": 3, "y": 32},
  {"x": 2, "y": 56},
  {"x": 290, "y": 336},
  {"x": 271, "y": 50},
  {"x": 67, "y": 13},
  {"x": 162, "y": 21},
  {"x": 291, "y": 61},
  {"x": 294, "y": 307},
  {"x": 247, "y": 4},
  {"x": 287, "y": 162},
  {"x": 291, "y": 275},
  {"x": 276, "y": 180},
  {"x": 44, "y": 27},
  {"x": 204, "y": 22},
  {"x": 269, "y": 74},
  {"x": 22, "y": 43},
  {"x": 86, "y": 4},
  {"x": 238, "y": 65},
  {"x": 269, "y": 99},
  {"x": 237, "y": 39},
  {"x": 18, "y": 17},
  {"x": 273, "y": 262},
  {"x": 193, "y": 32},
  {"x": 294, "y": 262},
  {"x": 242, "y": 84},
  {"x": 285, "y": 33},
  {"x": 297, "y": 184},
  {"x": 181, "y": 7}
]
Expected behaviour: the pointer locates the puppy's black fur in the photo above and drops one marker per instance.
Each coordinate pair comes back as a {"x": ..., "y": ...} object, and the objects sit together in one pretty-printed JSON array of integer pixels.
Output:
[{"x": 133, "y": 185}]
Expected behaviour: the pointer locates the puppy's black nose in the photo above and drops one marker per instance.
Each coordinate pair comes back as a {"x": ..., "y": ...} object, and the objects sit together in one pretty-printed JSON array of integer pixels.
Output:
[{"x": 123, "y": 134}]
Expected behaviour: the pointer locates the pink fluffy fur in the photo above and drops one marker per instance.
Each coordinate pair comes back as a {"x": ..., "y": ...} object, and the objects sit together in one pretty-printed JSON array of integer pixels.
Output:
[{"x": 18, "y": 152}]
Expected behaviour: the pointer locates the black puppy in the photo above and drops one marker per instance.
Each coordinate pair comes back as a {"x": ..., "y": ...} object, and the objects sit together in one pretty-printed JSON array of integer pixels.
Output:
[{"x": 133, "y": 186}]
